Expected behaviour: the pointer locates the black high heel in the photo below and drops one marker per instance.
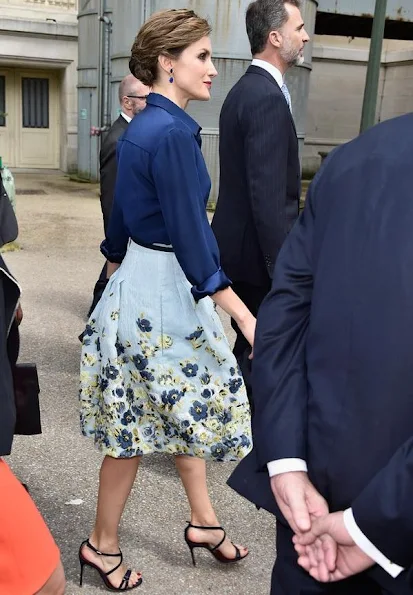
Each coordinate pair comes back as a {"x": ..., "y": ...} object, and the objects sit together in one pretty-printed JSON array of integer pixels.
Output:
[
  {"x": 104, "y": 575},
  {"x": 212, "y": 549}
]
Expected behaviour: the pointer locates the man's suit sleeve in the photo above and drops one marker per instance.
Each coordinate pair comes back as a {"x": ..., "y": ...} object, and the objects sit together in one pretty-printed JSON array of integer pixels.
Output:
[
  {"x": 267, "y": 129},
  {"x": 108, "y": 168},
  {"x": 279, "y": 378},
  {"x": 384, "y": 509}
]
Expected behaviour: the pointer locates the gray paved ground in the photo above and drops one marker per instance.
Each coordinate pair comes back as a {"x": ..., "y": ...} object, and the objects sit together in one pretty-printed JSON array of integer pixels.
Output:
[{"x": 57, "y": 267}]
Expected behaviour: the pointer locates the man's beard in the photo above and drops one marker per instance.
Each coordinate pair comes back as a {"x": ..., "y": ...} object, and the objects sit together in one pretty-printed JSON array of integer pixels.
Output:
[{"x": 291, "y": 56}]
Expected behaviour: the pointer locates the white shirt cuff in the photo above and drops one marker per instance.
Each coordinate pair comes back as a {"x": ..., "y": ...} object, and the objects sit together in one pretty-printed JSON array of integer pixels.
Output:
[
  {"x": 367, "y": 547},
  {"x": 286, "y": 466}
]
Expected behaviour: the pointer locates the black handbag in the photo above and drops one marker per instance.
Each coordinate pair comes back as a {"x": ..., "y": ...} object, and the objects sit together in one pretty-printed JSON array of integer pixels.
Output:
[{"x": 26, "y": 395}]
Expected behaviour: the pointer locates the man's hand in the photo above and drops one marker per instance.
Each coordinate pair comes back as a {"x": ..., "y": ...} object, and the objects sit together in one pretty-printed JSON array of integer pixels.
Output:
[
  {"x": 298, "y": 500},
  {"x": 323, "y": 563}
]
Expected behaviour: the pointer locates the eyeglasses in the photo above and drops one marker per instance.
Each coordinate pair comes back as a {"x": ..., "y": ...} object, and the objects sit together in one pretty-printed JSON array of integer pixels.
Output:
[{"x": 137, "y": 96}]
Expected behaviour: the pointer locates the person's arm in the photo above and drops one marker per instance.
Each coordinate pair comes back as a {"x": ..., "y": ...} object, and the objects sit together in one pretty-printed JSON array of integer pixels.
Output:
[
  {"x": 345, "y": 550},
  {"x": 383, "y": 511},
  {"x": 367, "y": 547},
  {"x": 267, "y": 129},
  {"x": 111, "y": 267},
  {"x": 108, "y": 170},
  {"x": 378, "y": 528},
  {"x": 279, "y": 376},
  {"x": 117, "y": 236},
  {"x": 228, "y": 300},
  {"x": 181, "y": 197},
  {"x": 176, "y": 177}
]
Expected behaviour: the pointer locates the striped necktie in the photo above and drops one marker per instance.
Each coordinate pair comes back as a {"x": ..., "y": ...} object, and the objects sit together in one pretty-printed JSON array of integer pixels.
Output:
[{"x": 287, "y": 95}]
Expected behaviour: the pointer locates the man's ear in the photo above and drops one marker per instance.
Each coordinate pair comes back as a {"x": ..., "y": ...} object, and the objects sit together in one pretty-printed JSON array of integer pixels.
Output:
[
  {"x": 275, "y": 39},
  {"x": 125, "y": 102}
]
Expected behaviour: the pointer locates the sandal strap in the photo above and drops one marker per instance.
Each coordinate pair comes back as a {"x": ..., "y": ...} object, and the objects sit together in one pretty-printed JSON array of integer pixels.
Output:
[
  {"x": 125, "y": 581},
  {"x": 90, "y": 546},
  {"x": 212, "y": 549},
  {"x": 206, "y": 528},
  {"x": 99, "y": 553},
  {"x": 238, "y": 553},
  {"x": 116, "y": 567}
]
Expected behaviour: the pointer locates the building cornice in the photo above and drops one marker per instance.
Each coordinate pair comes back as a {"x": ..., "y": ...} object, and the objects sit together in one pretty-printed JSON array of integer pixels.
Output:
[
  {"x": 322, "y": 52},
  {"x": 38, "y": 28}
]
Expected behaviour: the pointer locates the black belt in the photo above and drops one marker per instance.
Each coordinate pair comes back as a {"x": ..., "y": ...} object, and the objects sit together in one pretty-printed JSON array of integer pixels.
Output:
[{"x": 154, "y": 246}]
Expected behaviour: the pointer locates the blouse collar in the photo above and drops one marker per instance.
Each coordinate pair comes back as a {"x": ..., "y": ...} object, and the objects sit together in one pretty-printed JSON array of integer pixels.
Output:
[{"x": 174, "y": 110}]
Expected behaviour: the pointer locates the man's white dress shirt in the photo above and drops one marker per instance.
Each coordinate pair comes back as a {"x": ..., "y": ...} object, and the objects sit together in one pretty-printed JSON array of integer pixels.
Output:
[
  {"x": 271, "y": 69},
  {"x": 277, "y": 76},
  {"x": 127, "y": 118}
]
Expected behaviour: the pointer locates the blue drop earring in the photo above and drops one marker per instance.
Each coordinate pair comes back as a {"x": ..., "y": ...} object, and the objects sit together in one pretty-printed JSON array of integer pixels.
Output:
[{"x": 171, "y": 78}]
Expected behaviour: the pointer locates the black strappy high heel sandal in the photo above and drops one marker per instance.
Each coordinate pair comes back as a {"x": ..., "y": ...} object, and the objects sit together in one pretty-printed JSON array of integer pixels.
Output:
[
  {"x": 124, "y": 585},
  {"x": 212, "y": 549}
]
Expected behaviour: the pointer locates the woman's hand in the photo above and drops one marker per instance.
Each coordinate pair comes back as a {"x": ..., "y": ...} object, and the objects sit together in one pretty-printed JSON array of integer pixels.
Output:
[
  {"x": 111, "y": 268},
  {"x": 247, "y": 328},
  {"x": 235, "y": 307},
  {"x": 19, "y": 314}
]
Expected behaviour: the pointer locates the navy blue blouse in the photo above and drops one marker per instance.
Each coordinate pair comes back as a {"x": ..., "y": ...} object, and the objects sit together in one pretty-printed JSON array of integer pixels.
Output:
[{"x": 162, "y": 188}]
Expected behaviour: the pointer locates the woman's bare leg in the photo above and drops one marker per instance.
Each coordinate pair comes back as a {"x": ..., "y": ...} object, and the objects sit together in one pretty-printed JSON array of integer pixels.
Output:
[
  {"x": 192, "y": 472},
  {"x": 115, "y": 483}
]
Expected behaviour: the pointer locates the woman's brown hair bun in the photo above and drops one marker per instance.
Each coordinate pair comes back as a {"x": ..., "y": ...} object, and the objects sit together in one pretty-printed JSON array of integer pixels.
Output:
[{"x": 167, "y": 33}]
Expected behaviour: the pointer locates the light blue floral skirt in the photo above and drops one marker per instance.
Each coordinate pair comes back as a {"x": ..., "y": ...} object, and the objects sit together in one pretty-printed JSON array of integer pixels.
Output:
[{"x": 157, "y": 372}]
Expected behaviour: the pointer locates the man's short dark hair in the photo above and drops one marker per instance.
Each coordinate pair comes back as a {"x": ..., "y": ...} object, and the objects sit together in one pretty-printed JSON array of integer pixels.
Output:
[{"x": 264, "y": 16}]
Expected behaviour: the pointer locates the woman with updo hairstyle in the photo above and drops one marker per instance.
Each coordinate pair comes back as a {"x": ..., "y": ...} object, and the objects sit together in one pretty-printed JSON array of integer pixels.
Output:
[{"x": 157, "y": 372}]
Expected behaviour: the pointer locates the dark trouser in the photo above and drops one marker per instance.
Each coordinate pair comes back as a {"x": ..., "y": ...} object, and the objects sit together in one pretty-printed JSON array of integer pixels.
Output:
[
  {"x": 252, "y": 296},
  {"x": 99, "y": 288},
  {"x": 290, "y": 579}
]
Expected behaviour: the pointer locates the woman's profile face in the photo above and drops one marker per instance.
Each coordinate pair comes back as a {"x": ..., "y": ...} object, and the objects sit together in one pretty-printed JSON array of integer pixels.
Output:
[{"x": 193, "y": 71}]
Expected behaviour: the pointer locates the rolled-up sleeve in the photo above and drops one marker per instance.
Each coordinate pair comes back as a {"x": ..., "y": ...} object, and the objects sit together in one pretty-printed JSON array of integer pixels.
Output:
[
  {"x": 117, "y": 236},
  {"x": 177, "y": 180}
]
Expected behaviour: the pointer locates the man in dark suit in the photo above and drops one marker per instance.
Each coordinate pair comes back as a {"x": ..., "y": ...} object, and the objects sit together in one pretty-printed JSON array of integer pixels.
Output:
[
  {"x": 333, "y": 378},
  {"x": 132, "y": 99},
  {"x": 259, "y": 186}
]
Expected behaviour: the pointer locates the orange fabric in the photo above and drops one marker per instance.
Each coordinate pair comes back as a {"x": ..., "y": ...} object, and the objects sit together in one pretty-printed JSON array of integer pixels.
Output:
[{"x": 28, "y": 553}]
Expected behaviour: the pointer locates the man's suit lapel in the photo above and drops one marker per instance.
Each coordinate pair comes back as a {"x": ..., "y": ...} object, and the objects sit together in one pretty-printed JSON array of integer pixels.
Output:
[
  {"x": 265, "y": 73},
  {"x": 118, "y": 129},
  {"x": 257, "y": 70},
  {"x": 122, "y": 122}
]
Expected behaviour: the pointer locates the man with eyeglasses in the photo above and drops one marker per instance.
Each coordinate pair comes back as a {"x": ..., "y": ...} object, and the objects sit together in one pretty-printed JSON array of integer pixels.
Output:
[{"x": 132, "y": 99}]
